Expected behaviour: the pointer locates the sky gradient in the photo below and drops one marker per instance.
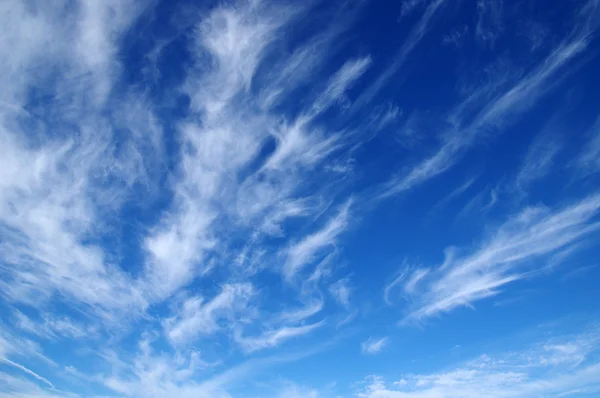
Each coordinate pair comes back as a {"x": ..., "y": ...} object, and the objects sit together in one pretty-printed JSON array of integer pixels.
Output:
[{"x": 303, "y": 199}]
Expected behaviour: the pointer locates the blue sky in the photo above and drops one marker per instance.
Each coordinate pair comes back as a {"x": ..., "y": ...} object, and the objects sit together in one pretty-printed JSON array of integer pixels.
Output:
[{"x": 312, "y": 199}]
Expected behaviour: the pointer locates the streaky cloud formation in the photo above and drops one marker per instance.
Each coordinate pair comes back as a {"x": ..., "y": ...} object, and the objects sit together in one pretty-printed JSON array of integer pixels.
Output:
[
  {"x": 588, "y": 160},
  {"x": 502, "y": 107},
  {"x": 505, "y": 257},
  {"x": 247, "y": 198},
  {"x": 374, "y": 346},
  {"x": 552, "y": 368},
  {"x": 305, "y": 250}
]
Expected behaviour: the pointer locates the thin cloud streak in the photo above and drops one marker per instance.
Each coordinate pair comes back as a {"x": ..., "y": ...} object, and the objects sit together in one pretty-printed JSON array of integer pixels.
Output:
[
  {"x": 59, "y": 196},
  {"x": 504, "y": 106},
  {"x": 199, "y": 317},
  {"x": 304, "y": 252},
  {"x": 414, "y": 37},
  {"x": 28, "y": 371},
  {"x": 588, "y": 160},
  {"x": 538, "y": 161},
  {"x": 273, "y": 338},
  {"x": 515, "y": 251},
  {"x": 374, "y": 346},
  {"x": 548, "y": 367}
]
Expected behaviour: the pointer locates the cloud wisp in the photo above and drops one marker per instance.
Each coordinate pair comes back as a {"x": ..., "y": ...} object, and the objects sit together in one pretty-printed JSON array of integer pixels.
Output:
[
  {"x": 105, "y": 214},
  {"x": 374, "y": 346},
  {"x": 547, "y": 368},
  {"x": 502, "y": 107},
  {"x": 516, "y": 250}
]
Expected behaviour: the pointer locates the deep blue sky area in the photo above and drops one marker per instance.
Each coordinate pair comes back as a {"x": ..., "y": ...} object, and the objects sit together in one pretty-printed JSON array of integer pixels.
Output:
[{"x": 291, "y": 199}]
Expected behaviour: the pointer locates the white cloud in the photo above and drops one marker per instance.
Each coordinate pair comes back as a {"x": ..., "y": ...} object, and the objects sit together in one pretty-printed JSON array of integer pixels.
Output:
[
  {"x": 524, "y": 373},
  {"x": 16, "y": 387},
  {"x": 81, "y": 152},
  {"x": 237, "y": 38},
  {"x": 299, "y": 145},
  {"x": 227, "y": 144},
  {"x": 27, "y": 371},
  {"x": 313, "y": 306},
  {"x": 501, "y": 109},
  {"x": 49, "y": 326},
  {"x": 296, "y": 392},
  {"x": 340, "y": 83},
  {"x": 374, "y": 346},
  {"x": 588, "y": 159},
  {"x": 304, "y": 251},
  {"x": 409, "y": 5},
  {"x": 456, "y": 36},
  {"x": 47, "y": 210},
  {"x": 297, "y": 70},
  {"x": 273, "y": 338},
  {"x": 415, "y": 35},
  {"x": 538, "y": 161},
  {"x": 457, "y": 192},
  {"x": 482, "y": 202},
  {"x": 514, "y": 251},
  {"x": 408, "y": 277},
  {"x": 198, "y": 317},
  {"x": 153, "y": 374},
  {"x": 490, "y": 22},
  {"x": 341, "y": 290}
]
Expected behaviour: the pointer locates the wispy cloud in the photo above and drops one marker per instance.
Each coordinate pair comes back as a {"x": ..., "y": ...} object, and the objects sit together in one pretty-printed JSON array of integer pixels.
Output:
[
  {"x": 52, "y": 327},
  {"x": 456, "y": 37},
  {"x": 82, "y": 149},
  {"x": 27, "y": 371},
  {"x": 297, "y": 392},
  {"x": 407, "y": 278},
  {"x": 514, "y": 251},
  {"x": 313, "y": 306},
  {"x": 149, "y": 373},
  {"x": 341, "y": 290},
  {"x": 304, "y": 251},
  {"x": 490, "y": 21},
  {"x": 16, "y": 387},
  {"x": 198, "y": 317},
  {"x": 47, "y": 210},
  {"x": 374, "y": 346},
  {"x": 481, "y": 203},
  {"x": 546, "y": 368},
  {"x": 457, "y": 192},
  {"x": 410, "y": 43},
  {"x": 272, "y": 338},
  {"x": 538, "y": 161},
  {"x": 588, "y": 159},
  {"x": 340, "y": 82},
  {"x": 503, "y": 107}
]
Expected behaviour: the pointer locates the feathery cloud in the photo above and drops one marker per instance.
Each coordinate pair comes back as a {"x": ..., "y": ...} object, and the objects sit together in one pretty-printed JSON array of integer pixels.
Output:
[
  {"x": 546, "y": 368},
  {"x": 272, "y": 338},
  {"x": 374, "y": 346},
  {"x": 588, "y": 159},
  {"x": 502, "y": 108},
  {"x": 198, "y": 317},
  {"x": 304, "y": 251},
  {"x": 515, "y": 251}
]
